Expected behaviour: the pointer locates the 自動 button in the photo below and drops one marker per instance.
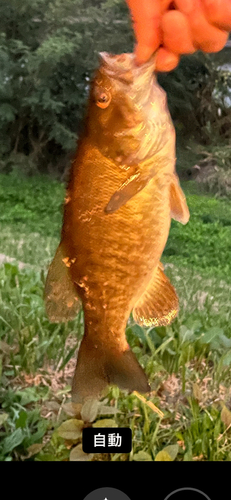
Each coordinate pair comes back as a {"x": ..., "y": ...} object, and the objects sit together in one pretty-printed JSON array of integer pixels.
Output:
[{"x": 107, "y": 440}]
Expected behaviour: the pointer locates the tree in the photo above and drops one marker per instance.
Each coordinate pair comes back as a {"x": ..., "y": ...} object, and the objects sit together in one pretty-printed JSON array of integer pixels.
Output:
[
  {"x": 198, "y": 92},
  {"x": 47, "y": 54}
]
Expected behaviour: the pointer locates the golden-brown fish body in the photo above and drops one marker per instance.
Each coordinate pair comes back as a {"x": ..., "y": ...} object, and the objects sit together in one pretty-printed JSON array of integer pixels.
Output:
[{"x": 121, "y": 196}]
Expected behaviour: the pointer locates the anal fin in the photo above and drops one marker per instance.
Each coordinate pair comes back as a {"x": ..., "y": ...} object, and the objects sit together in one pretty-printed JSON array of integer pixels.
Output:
[
  {"x": 158, "y": 306},
  {"x": 61, "y": 300}
]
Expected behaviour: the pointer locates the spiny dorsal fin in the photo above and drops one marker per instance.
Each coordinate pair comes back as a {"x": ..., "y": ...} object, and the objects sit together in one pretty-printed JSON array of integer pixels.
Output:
[
  {"x": 61, "y": 300},
  {"x": 158, "y": 306},
  {"x": 178, "y": 204}
]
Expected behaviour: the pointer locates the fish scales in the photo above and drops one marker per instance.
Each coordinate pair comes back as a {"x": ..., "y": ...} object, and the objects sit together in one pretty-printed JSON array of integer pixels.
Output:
[{"x": 123, "y": 192}]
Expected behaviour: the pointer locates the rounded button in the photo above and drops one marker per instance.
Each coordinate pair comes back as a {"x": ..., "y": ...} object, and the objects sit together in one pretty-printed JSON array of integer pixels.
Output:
[
  {"x": 106, "y": 494},
  {"x": 187, "y": 493}
]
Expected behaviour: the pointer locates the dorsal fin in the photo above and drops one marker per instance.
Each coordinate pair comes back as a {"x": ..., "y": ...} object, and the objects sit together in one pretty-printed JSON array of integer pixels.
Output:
[{"x": 178, "y": 204}]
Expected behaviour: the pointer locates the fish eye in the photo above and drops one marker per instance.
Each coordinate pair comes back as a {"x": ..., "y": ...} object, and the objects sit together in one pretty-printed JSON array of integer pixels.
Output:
[{"x": 103, "y": 100}]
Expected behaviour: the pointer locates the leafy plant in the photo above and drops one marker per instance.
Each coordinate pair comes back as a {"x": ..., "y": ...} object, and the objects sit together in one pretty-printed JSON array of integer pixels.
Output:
[{"x": 20, "y": 427}]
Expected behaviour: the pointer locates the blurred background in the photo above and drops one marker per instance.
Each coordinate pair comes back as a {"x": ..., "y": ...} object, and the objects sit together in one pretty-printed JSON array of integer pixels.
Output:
[{"x": 48, "y": 52}]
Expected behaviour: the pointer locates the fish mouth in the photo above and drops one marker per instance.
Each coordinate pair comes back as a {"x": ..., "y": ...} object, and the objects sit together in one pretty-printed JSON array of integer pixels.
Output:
[
  {"x": 122, "y": 67},
  {"x": 134, "y": 83}
]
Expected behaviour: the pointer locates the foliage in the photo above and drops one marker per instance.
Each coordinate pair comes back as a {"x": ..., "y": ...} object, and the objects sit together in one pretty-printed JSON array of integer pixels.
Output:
[
  {"x": 182, "y": 86},
  {"x": 199, "y": 98},
  {"x": 213, "y": 170},
  {"x": 219, "y": 155},
  {"x": 33, "y": 203},
  {"x": 21, "y": 427},
  {"x": 48, "y": 51}
]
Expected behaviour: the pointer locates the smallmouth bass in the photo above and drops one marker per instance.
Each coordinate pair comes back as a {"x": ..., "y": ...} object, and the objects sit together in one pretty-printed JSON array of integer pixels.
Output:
[{"x": 122, "y": 193}]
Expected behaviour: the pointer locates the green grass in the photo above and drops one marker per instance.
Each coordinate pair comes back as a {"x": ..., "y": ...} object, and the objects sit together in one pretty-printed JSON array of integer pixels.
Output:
[
  {"x": 30, "y": 217},
  {"x": 188, "y": 363},
  {"x": 205, "y": 242}
]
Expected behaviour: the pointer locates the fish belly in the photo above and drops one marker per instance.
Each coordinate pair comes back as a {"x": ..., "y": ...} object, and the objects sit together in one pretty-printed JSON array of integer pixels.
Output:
[{"x": 115, "y": 255}]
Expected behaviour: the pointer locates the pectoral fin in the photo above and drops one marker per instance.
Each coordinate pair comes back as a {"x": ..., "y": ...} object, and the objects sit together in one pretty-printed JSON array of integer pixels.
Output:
[
  {"x": 178, "y": 205},
  {"x": 133, "y": 185},
  {"x": 61, "y": 300},
  {"x": 158, "y": 306}
]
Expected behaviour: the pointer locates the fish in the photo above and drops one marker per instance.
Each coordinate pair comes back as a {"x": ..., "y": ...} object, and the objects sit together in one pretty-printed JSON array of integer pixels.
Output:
[{"x": 122, "y": 193}]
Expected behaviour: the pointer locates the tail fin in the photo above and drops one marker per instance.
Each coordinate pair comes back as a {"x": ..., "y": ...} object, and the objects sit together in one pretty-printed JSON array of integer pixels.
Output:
[{"x": 98, "y": 366}]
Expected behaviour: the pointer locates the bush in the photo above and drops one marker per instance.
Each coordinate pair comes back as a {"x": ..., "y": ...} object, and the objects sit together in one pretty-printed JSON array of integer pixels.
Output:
[
  {"x": 48, "y": 51},
  {"x": 198, "y": 96}
]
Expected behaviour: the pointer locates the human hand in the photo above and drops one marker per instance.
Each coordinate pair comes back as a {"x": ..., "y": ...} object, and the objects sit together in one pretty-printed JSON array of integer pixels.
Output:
[{"x": 171, "y": 28}]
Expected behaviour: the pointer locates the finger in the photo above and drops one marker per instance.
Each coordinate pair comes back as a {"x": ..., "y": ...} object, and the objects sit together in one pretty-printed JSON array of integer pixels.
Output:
[
  {"x": 204, "y": 36},
  {"x": 218, "y": 12},
  {"x": 207, "y": 37},
  {"x": 146, "y": 26},
  {"x": 142, "y": 53},
  {"x": 166, "y": 60},
  {"x": 176, "y": 33}
]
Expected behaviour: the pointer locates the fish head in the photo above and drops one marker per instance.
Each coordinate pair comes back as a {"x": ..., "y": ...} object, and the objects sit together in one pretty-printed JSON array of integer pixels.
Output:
[{"x": 127, "y": 108}]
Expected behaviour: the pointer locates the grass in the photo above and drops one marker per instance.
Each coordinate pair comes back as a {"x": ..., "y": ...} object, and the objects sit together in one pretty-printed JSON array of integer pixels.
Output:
[{"x": 188, "y": 363}]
